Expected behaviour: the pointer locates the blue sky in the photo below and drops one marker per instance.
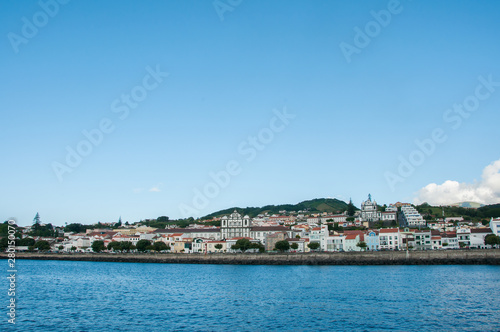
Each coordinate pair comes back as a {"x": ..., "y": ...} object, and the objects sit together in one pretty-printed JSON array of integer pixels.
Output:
[{"x": 232, "y": 66}]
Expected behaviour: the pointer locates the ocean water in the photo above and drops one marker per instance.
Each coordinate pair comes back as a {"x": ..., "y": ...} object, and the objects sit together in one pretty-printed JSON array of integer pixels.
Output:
[{"x": 97, "y": 296}]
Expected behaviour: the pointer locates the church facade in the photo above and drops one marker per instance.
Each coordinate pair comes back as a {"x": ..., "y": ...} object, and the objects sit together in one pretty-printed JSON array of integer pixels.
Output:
[
  {"x": 370, "y": 213},
  {"x": 369, "y": 210},
  {"x": 235, "y": 225}
]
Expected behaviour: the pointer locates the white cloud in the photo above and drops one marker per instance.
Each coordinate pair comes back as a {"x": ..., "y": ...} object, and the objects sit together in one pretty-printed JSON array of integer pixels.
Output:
[
  {"x": 155, "y": 189},
  {"x": 486, "y": 191}
]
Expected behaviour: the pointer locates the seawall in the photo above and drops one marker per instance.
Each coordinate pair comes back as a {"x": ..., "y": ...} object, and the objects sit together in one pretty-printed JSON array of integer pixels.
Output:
[{"x": 444, "y": 257}]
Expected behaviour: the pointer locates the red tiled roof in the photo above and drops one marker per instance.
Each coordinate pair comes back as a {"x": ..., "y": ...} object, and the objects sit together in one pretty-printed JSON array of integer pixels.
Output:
[
  {"x": 269, "y": 228},
  {"x": 480, "y": 230},
  {"x": 188, "y": 230},
  {"x": 389, "y": 230}
]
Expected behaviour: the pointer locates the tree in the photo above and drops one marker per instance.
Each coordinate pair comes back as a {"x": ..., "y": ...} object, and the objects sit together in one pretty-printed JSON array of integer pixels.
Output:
[
  {"x": 119, "y": 223},
  {"x": 162, "y": 219},
  {"x": 282, "y": 245},
  {"x": 26, "y": 242},
  {"x": 76, "y": 228},
  {"x": 4, "y": 243},
  {"x": 142, "y": 245},
  {"x": 73, "y": 248},
  {"x": 127, "y": 246},
  {"x": 313, "y": 245},
  {"x": 98, "y": 246},
  {"x": 362, "y": 245},
  {"x": 242, "y": 244},
  {"x": 36, "y": 220},
  {"x": 159, "y": 246},
  {"x": 218, "y": 246},
  {"x": 492, "y": 240},
  {"x": 60, "y": 247},
  {"x": 259, "y": 246},
  {"x": 42, "y": 245},
  {"x": 350, "y": 208},
  {"x": 294, "y": 246},
  {"x": 115, "y": 246}
]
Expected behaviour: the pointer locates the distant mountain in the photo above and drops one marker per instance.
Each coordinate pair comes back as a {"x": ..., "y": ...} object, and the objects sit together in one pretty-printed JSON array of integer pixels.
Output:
[
  {"x": 472, "y": 205},
  {"x": 315, "y": 205}
]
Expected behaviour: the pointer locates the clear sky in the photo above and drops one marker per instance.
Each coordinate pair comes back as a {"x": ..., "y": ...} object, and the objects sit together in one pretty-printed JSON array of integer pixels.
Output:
[{"x": 126, "y": 108}]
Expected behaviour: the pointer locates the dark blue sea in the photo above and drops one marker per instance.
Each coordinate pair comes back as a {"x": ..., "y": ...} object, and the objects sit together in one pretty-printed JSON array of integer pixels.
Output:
[{"x": 92, "y": 296}]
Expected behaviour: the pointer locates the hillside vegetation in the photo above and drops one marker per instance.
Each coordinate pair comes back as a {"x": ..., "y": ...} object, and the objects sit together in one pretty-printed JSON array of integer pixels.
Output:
[{"x": 331, "y": 205}]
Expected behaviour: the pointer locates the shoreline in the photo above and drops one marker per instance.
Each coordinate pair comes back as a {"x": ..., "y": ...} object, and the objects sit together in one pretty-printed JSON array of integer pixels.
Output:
[{"x": 455, "y": 257}]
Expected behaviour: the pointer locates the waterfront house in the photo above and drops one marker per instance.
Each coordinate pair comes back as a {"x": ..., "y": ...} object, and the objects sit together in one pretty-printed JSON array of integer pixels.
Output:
[
  {"x": 449, "y": 240},
  {"x": 210, "y": 246},
  {"x": 463, "y": 235},
  {"x": 351, "y": 241},
  {"x": 335, "y": 242},
  {"x": 423, "y": 240},
  {"x": 389, "y": 238},
  {"x": 477, "y": 236},
  {"x": 372, "y": 240},
  {"x": 436, "y": 242},
  {"x": 408, "y": 238},
  {"x": 209, "y": 233},
  {"x": 301, "y": 243},
  {"x": 261, "y": 233}
]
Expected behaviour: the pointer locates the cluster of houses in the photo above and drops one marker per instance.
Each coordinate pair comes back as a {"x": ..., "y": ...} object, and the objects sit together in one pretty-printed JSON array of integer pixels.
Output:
[
  {"x": 451, "y": 233},
  {"x": 405, "y": 229}
]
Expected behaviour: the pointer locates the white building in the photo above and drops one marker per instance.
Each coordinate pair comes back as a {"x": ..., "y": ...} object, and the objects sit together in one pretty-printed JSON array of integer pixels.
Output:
[
  {"x": 495, "y": 226},
  {"x": 463, "y": 235},
  {"x": 389, "y": 238},
  {"x": 235, "y": 226},
  {"x": 449, "y": 240},
  {"x": 261, "y": 233},
  {"x": 335, "y": 243},
  {"x": 412, "y": 217},
  {"x": 351, "y": 241},
  {"x": 319, "y": 234},
  {"x": 369, "y": 210},
  {"x": 477, "y": 236}
]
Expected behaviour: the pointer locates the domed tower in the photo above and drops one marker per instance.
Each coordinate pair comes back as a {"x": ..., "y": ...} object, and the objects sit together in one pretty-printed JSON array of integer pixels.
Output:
[{"x": 369, "y": 210}]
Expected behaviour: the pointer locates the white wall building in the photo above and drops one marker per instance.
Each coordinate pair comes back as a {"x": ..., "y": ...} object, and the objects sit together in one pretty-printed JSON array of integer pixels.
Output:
[
  {"x": 495, "y": 226},
  {"x": 369, "y": 210},
  {"x": 477, "y": 236},
  {"x": 235, "y": 226},
  {"x": 412, "y": 217},
  {"x": 389, "y": 238}
]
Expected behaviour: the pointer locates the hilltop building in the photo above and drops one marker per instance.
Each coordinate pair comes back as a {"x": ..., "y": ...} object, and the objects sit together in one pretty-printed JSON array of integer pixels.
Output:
[
  {"x": 370, "y": 213},
  {"x": 369, "y": 210},
  {"x": 412, "y": 217},
  {"x": 495, "y": 226}
]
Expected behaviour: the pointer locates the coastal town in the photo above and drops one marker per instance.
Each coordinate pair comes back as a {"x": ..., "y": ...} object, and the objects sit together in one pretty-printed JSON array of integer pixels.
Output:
[{"x": 398, "y": 227}]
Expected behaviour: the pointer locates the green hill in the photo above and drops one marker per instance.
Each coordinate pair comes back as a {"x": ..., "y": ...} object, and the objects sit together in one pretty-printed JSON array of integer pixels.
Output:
[
  {"x": 331, "y": 205},
  {"x": 483, "y": 213}
]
